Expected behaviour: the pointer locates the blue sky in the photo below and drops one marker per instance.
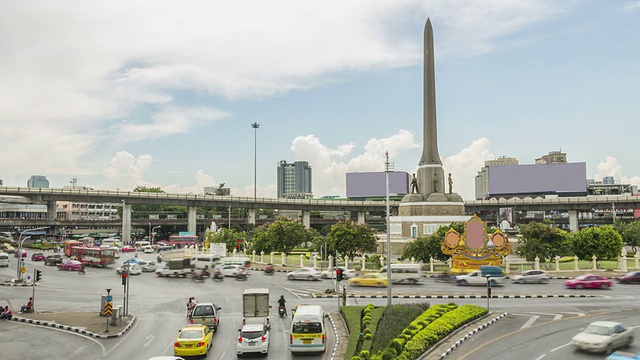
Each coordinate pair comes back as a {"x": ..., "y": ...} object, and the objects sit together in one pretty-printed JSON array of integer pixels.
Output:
[{"x": 118, "y": 95}]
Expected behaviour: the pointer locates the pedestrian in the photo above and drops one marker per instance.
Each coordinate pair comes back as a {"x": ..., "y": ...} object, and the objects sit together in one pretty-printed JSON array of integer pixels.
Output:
[
  {"x": 28, "y": 307},
  {"x": 6, "y": 314}
]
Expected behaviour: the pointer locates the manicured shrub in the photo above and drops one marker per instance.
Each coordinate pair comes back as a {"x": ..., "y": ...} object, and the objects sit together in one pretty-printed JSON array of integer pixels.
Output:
[
  {"x": 394, "y": 319},
  {"x": 355, "y": 358},
  {"x": 397, "y": 344},
  {"x": 368, "y": 336},
  {"x": 366, "y": 331},
  {"x": 364, "y": 354},
  {"x": 389, "y": 354}
]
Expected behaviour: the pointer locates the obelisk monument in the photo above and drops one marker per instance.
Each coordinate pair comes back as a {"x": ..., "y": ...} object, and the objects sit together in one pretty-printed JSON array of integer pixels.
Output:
[{"x": 430, "y": 172}]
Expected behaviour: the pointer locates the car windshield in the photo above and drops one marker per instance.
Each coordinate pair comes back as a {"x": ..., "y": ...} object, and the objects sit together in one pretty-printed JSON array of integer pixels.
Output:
[
  {"x": 307, "y": 328},
  {"x": 190, "y": 334},
  {"x": 251, "y": 334},
  {"x": 598, "y": 330},
  {"x": 203, "y": 311},
  {"x": 581, "y": 277}
]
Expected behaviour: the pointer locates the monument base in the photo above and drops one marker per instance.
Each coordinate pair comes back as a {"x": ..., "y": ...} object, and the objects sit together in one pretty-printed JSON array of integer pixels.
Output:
[{"x": 422, "y": 218}]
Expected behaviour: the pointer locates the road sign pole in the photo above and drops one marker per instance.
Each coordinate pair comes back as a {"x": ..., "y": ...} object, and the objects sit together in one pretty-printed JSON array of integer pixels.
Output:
[
  {"x": 108, "y": 308},
  {"x": 33, "y": 291},
  {"x": 127, "y": 307}
]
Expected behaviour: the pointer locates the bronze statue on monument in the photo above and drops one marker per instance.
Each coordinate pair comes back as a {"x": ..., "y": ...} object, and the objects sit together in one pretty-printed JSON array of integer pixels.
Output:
[
  {"x": 435, "y": 182},
  {"x": 450, "y": 184},
  {"x": 414, "y": 185}
]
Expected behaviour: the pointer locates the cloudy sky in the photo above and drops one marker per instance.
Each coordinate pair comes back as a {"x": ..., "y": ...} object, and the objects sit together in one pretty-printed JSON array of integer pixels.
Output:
[{"x": 163, "y": 93}]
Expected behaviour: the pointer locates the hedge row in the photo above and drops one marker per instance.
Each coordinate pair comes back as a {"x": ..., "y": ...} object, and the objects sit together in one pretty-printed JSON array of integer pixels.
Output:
[
  {"x": 394, "y": 319},
  {"x": 438, "y": 329},
  {"x": 396, "y": 346}
]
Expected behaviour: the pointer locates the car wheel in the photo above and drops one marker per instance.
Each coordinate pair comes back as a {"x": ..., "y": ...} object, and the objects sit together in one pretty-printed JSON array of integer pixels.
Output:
[
  {"x": 604, "y": 286},
  {"x": 544, "y": 281},
  {"x": 461, "y": 282},
  {"x": 355, "y": 283},
  {"x": 609, "y": 349},
  {"x": 579, "y": 286},
  {"x": 380, "y": 285},
  {"x": 630, "y": 341},
  {"x": 290, "y": 277},
  {"x": 310, "y": 278}
]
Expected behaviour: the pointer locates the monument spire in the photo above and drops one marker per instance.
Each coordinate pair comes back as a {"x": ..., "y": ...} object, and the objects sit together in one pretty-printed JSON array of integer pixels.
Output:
[{"x": 430, "y": 172}]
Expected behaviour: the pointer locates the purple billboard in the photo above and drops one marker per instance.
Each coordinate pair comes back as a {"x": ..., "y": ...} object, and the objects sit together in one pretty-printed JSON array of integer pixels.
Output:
[
  {"x": 373, "y": 184},
  {"x": 568, "y": 179}
]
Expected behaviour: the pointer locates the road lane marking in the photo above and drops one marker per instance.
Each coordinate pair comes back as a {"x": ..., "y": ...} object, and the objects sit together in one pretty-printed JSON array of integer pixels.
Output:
[
  {"x": 540, "y": 357},
  {"x": 480, "y": 346},
  {"x": 555, "y": 316},
  {"x": 69, "y": 332},
  {"x": 530, "y": 322},
  {"x": 76, "y": 352},
  {"x": 560, "y": 347},
  {"x": 149, "y": 340}
]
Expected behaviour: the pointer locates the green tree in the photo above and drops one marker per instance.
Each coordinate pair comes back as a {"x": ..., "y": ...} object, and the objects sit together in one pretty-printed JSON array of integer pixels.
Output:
[
  {"x": 226, "y": 236},
  {"x": 350, "y": 238},
  {"x": 422, "y": 249},
  {"x": 604, "y": 242},
  {"x": 281, "y": 235},
  {"x": 543, "y": 241},
  {"x": 630, "y": 232}
]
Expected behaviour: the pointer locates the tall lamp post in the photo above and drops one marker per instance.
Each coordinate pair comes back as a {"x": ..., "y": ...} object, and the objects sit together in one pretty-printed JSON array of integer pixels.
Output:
[
  {"x": 388, "y": 167},
  {"x": 21, "y": 239},
  {"x": 255, "y": 127}
]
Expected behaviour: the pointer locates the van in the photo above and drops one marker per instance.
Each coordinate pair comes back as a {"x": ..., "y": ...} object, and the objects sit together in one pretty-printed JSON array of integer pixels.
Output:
[
  {"x": 4, "y": 259},
  {"x": 404, "y": 273},
  {"x": 139, "y": 245},
  {"x": 235, "y": 260},
  {"x": 308, "y": 329},
  {"x": 205, "y": 261}
]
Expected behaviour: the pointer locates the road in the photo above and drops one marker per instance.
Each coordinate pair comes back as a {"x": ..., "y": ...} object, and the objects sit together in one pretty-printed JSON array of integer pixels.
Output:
[{"x": 533, "y": 328}]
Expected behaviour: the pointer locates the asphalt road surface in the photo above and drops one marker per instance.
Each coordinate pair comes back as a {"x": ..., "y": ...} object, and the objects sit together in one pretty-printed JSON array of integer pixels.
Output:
[{"x": 536, "y": 328}]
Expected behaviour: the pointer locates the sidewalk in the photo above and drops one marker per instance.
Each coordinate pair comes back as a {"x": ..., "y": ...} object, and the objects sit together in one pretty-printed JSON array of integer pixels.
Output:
[{"x": 86, "y": 323}]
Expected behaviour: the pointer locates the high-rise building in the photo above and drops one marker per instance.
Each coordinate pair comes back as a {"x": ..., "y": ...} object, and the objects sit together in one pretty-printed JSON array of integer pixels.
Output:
[
  {"x": 553, "y": 157},
  {"x": 482, "y": 179},
  {"x": 294, "y": 180},
  {"x": 38, "y": 181}
]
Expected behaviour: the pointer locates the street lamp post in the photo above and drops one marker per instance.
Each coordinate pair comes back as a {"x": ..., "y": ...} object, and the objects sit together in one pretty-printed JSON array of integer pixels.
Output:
[
  {"x": 20, "y": 241},
  {"x": 388, "y": 167},
  {"x": 255, "y": 127}
]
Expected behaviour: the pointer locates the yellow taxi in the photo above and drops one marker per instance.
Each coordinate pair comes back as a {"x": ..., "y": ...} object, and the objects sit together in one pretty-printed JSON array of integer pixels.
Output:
[
  {"x": 193, "y": 340},
  {"x": 368, "y": 279}
]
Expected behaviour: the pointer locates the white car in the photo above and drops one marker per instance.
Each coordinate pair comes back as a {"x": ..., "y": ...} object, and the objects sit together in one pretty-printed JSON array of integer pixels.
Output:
[
  {"x": 304, "y": 273},
  {"x": 532, "y": 277},
  {"x": 253, "y": 339},
  {"x": 230, "y": 270},
  {"x": 603, "y": 336},
  {"x": 132, "y": 268},
  {"x": 147, "y": 266}
]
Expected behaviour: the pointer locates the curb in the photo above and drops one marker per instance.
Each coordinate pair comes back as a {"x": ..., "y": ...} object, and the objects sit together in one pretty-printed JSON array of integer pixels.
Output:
[
  {"x": 335, "y": 334},
  {"x": 459, "y": 296},
  {"x": 74, "y": 329},
  {"x": 481, "y": 327},
  {"x": 13, "y": 284}
]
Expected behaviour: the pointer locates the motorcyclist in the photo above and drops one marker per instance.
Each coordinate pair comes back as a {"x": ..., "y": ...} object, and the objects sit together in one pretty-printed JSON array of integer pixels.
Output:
[
  {"x": 269, "y": 268},
  {"x": 191, "y": 304},
  {"x": 282, "y": 304}
]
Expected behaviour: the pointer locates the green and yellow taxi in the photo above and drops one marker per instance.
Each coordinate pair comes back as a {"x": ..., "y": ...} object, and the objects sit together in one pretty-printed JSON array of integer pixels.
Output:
[{"x": 193, "y": 340}]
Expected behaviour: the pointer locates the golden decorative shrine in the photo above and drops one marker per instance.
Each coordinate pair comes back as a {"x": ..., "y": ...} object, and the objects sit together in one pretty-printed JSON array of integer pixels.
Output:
[{"x": 475, "y": 247}]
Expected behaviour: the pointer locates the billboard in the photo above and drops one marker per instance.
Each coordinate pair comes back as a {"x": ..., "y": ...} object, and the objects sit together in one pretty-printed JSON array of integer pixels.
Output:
[
  {"x": 568, "y": 179},
  {"x": 373, "y": 184}
]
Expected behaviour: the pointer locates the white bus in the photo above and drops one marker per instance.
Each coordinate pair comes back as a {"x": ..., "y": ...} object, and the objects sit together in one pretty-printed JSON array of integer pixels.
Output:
[
  {"x": 404, "y": 273},
  {"x": 308, "y": 330}
]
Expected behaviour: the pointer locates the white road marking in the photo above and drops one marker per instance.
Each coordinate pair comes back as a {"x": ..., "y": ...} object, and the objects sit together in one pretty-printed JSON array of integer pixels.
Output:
[
  {"x": 73, "y": 333},
  {"x": 574, "y": 313},
  {"x": 149, "y": 340},
  {"x": 530, "y": 321},
  {"x": 555, "y": 316},
  {"x": 540, "y": 357},
  {"x": 560, "y": 347}
]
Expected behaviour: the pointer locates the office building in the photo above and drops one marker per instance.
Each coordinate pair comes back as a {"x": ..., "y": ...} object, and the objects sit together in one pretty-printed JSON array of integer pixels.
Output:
[
  {"x": 38, "y": 181},
  {"x": 553, "y": 157},
  {"x": 482, "y": 179},
  {"x": 294, "y": 180}
]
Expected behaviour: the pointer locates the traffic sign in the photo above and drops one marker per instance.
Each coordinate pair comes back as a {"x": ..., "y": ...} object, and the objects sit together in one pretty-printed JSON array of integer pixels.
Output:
[
  {"x": 108, "y": 298},
  {"x": 108, "y": 308},
  {"x": 23, "y": 269}
]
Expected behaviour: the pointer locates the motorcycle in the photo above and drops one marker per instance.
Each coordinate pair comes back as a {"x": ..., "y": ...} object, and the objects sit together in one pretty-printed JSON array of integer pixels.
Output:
[
  {"x": 281, "y": 310},
  {"x": 200, "y": 275},
  {"x": 217, "y": 276},
  {"x": 241, "y": 275},
  {"x": 269, "y": 270}
]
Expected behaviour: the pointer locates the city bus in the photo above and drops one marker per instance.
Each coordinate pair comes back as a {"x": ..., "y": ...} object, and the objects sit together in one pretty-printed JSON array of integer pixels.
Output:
[
  {"x": 93, "y": 256},
  {"x": 182, "y": 240},
  {"x": 70, "y": 244}
]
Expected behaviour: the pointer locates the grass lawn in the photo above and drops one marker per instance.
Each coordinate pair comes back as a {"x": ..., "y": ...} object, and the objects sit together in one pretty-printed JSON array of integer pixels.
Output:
[{"x": 351, "y": 316}]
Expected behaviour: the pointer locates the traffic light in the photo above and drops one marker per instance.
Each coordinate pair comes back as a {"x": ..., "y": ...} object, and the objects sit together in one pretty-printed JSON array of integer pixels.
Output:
[
  {"x": 339, "y": 274},
  {"x": 124, "y": 278},
  {"x": 38, "y": 275},
  {"x": 334, "y": 263}
]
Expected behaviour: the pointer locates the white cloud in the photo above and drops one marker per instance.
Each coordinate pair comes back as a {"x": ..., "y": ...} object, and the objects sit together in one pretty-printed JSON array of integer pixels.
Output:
[
  {"x": 126, "y": 171},
  {"x": 465, "y": 165},
  {"x": 611, "y": 167},
  {"x": 631, "y": 6}
]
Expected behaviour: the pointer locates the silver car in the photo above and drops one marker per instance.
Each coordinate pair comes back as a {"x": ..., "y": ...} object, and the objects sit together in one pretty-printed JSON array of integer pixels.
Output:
[
  {"x": 603, "y": 336},
  {"x": 532, "y": 277},
  {"x": 304, "y": 273},
  {"x": 253, "y": 339}
]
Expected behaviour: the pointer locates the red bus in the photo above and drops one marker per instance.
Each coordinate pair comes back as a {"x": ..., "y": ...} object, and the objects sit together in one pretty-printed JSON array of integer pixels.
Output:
[
  {"x": 182, "y": 240},
  {"x": 93, "y": 256},
  {"x": 70, "y": 244}
]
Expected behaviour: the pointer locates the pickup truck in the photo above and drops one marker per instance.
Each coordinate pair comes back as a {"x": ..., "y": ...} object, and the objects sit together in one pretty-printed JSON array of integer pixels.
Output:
[
  {"x": 479, "y": 277},
  {"x": 175, "y": 268}
]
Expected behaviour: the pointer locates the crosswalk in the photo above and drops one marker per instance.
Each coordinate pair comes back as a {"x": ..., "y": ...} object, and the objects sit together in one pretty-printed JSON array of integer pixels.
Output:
[
  {"x": 306, "y": 293},
  {"x": 534, "y": 317}
]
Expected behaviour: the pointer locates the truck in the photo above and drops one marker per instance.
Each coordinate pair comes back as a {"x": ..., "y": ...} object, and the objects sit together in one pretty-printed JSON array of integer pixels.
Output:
[
  {"x": 179, "y": 267},
  {"x": 255, "y": 307},
  {"x": 479, "y": 277}
]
